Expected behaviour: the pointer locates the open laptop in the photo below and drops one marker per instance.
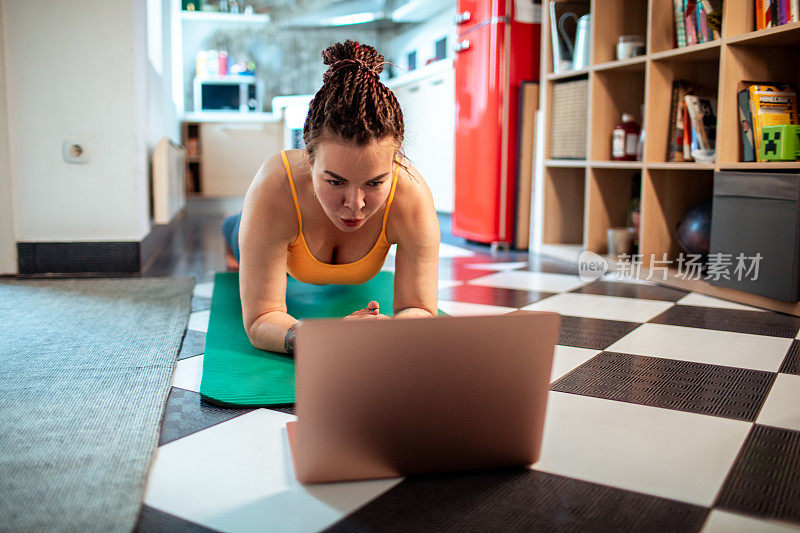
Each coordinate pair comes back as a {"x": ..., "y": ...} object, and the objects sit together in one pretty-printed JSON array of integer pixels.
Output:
[{"x": 387, "y": 398}]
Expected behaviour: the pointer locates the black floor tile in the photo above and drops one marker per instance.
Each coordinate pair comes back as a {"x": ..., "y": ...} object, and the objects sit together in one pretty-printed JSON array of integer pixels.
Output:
[
  {"x": 727, "y": 392},
  {"x": 765, "y": 479},
  {"x": 735, "y": 320},
  {"x": 153, "y": 520},
  {"x": 632, "y": 290},
  {"x": 791, "y": 364},
  {"x": 186, "y": 414},
  {"x": 288, "y": 409},
  {"x": 550, "y": 266},
  {"x": 194, "y": 343},
  {"x": 517, "y": 499},
  {"x": 592, "y": 333},
  {"x": 478, "y": 294}
]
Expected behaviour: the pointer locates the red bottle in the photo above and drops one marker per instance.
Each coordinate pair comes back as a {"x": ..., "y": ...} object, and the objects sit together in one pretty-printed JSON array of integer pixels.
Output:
[
  {"x": 624, "y": 139},
  {"x": 222, "y": 59}
]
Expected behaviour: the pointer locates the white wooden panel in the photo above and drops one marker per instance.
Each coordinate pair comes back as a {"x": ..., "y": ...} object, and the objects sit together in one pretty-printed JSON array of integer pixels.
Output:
[
  {"x": 233, "y": 152},
  {"x": 429, "y": 113}
]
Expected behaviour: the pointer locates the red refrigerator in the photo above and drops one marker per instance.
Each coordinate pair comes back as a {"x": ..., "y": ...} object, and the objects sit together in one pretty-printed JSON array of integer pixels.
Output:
[{"x": 497, "y": 48}]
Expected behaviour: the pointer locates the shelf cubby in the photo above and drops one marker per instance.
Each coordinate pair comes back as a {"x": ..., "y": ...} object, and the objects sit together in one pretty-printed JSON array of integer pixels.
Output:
[
  {"x": 564, "y": 205},
  {"x": 613, "y": 93},
  {"x": 609, "y": 193},
  {"x": 667, "y": 195},
  {"x": 701, "y": 74},
  {"x": 615, "y": 18},
  {"x": 755, "y": 62}
]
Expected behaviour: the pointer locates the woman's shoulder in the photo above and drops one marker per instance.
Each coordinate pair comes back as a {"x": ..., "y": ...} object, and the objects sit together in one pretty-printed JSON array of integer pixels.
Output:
[
  {"x": 270, "y": 195},
  {"x": 412, "y": 207}
]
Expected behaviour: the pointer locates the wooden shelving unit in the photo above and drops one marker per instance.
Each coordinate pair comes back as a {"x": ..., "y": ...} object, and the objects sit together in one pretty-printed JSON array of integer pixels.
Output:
[
  {"x": 583, "y": 198},
  {"x": 190, "y": 139}
]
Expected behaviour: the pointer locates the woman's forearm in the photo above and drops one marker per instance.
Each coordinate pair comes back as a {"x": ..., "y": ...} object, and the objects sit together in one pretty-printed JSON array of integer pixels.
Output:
[
  {"x": 269, "y": 331},
  {"x": 413, "y": 312}
]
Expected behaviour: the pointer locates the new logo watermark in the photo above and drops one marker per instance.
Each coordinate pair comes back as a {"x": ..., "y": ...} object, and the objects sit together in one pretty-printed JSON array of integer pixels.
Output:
[{"x": 591, "y": 266}]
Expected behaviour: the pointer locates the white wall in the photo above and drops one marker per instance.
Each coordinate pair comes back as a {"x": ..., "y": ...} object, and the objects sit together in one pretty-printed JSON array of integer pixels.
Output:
[
  {"x": 80, "y": 70},
  {"x": 422, "y": 38},
  {"x": 8, "y": 248}
]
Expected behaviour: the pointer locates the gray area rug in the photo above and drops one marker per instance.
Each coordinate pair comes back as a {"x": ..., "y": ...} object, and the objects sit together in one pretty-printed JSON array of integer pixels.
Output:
[{"x": 85, "y": 370}]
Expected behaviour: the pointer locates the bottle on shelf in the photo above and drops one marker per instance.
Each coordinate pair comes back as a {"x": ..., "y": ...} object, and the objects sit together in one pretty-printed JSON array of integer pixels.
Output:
[
  {"x": 640, "y": 144},
  {"x": 625, "y": 139},
  {"x": 222, "y": 62}
]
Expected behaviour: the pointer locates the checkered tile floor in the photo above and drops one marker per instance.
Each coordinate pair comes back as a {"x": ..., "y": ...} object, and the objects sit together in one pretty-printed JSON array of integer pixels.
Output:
[{"x": 667, "y": 411}]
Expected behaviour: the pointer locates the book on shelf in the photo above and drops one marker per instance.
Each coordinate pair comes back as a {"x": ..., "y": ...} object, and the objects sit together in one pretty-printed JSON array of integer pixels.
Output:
[
  {"x": 712, "y": 13},
  {"x": 687, "y": 133},
  {"x": 703, "y": 121},
  {"x": 696, "y": 21},
  {"x": 690, "y": 23},
  {"x": 680, "y": 27},
  {"x": 745, "y": 122},
  {"x": 680, "y": 88},
  {"x": 771, "y": 104},
  {"x": 772, "y": 13},
  {"x": 763, "y": 14}
]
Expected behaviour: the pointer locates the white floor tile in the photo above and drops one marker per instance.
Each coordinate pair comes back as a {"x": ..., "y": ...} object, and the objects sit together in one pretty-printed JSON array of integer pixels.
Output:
[
  {"x": 448, "y": 250},
  {"x": 388, "y": 264},
  {"x": 666, "y": 453},
  {"x": 238, "y": 476},
  {"x": 532, "y": 281},
  {"x": 798, "y": 335},
  {"x": 445, "y": 251},
  {"x": 707, "y": 301},
  {"x": 205, "y": 290},
  {"x": 725, "y": 522},
  {"x": 601, "y": 306},
  {"x": 448, "y": 284},
  {"x": 198, "y": 321},
  {"x": 188, "y": 373},
  {"x": 757, "y": 352},
  {"x": 782, "y": 406},
  {"x": 470, "y": 309},
  {"x": 497, "y": 266},
  {"x": 567, "y": 358}
]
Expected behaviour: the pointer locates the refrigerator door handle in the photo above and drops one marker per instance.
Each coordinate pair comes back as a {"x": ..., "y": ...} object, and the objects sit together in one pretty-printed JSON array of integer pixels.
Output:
[
  {"x": 462, "y": 46},
  {"x": 494, "y": 20},
  {"x": 461, "y": 18}
]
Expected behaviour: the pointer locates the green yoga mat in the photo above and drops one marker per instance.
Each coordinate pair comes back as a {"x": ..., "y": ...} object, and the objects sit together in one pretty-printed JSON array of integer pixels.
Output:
[{"x": 235, "y": 373}]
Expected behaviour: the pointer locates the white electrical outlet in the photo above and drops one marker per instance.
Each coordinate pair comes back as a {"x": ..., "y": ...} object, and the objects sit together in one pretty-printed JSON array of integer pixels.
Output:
[{"x": 75, "y": 151}]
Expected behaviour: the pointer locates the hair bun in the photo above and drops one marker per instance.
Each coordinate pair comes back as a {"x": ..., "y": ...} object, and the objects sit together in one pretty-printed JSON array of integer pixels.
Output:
[{"x": 354, "y": 55}]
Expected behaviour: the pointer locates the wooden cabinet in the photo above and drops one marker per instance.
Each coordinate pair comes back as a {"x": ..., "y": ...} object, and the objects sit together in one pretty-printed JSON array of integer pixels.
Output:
[
  {"x": 428, "y": 105},
  {"x": 581, "y": 199}
]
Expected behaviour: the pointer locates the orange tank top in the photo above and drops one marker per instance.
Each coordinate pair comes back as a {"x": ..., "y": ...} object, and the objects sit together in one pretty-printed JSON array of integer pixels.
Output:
[{"x": 303, "y": 266}]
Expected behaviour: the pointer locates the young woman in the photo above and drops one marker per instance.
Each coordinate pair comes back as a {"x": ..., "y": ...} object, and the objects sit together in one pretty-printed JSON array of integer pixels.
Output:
[{"x": 328, "y": 214}]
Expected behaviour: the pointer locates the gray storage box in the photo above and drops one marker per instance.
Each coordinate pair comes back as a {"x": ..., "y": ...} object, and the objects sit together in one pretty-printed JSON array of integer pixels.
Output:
[{"x": 756, "y": 213}]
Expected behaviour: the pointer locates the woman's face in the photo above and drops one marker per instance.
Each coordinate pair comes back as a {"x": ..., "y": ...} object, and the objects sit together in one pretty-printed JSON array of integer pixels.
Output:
[{"x": 352, "y": 182}]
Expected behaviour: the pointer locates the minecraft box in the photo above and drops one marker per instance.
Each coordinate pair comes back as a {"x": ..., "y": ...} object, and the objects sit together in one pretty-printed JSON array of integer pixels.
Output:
[{"x": 780, "y": 143}]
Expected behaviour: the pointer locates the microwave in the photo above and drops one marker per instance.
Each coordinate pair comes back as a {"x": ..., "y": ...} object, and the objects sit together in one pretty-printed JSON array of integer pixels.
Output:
[{"x": 229, "y": 93}]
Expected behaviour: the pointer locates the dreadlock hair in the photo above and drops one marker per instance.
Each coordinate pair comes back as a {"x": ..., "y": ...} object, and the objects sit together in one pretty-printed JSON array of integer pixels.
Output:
[{"x": 352, "y": 103}]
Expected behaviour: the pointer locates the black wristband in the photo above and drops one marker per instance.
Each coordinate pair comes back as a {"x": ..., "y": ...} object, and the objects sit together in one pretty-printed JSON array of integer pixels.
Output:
[{"x": 290, "y": 339}]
